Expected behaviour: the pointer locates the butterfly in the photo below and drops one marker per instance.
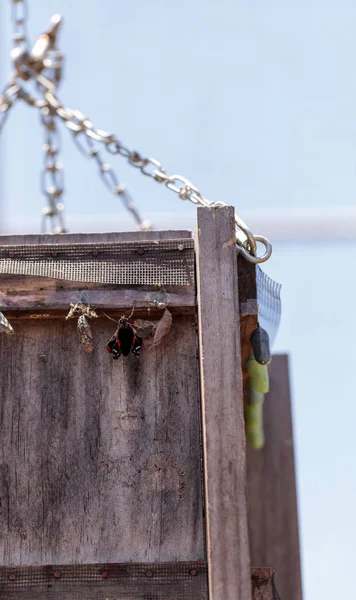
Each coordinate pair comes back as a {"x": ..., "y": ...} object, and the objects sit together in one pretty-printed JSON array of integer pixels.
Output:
[{"x": 124, "y": 340}]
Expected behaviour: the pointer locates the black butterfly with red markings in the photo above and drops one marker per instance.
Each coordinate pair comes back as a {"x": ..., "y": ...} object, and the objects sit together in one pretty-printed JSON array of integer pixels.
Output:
[{"x": 124, "y": 341}]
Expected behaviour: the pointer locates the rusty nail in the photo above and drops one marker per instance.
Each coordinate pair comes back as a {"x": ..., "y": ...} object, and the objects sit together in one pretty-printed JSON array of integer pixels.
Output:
[
  {"x": 57, "y": 574},
  {"x": 11, "y": 254},
  {"x": 149, "y": 574},
  {"x": 193, "y": 571},
  {"x": 95, "y": 252},
  {"x": 180, "y": 247},
  {"x": 104, "y": 574},
  {"x": 12, "y": 577},
  {"x": 54, "y": 253},
  {"x": 140, "y": 251}
]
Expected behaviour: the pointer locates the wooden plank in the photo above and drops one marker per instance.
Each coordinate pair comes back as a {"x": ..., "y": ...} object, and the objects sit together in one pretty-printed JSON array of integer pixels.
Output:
[
  {"x": 99, "y": 459},
  {"x": 74, "y": 238},
  {"x": 44, "y": 300},
  {"x": 272, "y": 502},
  {"x": 222, "y": 406}
]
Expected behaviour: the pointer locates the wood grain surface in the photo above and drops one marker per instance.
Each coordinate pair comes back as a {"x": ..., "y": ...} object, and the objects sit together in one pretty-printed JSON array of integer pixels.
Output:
[
  {"x": 99, "y": 459},
  {"x": 222, "y": 406},
  {"x": 75, "y": 238}
]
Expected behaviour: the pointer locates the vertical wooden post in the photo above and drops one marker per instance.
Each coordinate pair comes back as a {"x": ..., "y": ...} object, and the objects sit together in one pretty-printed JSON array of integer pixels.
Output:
[
  {"x": 222, "y": 406},
  {"x": 272, "y": 501}
]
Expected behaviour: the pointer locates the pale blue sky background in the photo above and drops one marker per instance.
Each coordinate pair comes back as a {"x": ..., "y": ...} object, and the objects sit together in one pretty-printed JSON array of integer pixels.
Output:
[{"x": 255, "y": 103}]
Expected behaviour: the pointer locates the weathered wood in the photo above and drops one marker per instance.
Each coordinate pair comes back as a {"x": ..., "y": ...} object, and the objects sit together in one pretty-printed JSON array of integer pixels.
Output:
[
  {"x": 99, "y": 459},
  {"x": 119, "y": 299},
  {"x": 75, "y": 238},
  {"x": 272, "y": 503},
  {"x": 222, "y": 406}
]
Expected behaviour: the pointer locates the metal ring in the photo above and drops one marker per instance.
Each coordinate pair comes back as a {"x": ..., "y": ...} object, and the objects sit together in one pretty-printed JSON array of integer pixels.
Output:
[
  {"x": 257, "y": 259},
  {"x": 248, "y": 233}
]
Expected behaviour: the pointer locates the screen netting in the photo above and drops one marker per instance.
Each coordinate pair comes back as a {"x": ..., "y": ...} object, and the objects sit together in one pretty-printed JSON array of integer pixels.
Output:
[
  {"x": 168, "y": 262},
  {"x": 156, "y": 581}
]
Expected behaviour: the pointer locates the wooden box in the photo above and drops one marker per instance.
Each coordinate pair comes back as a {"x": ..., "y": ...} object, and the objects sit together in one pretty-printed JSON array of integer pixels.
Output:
[{"x": 127, "y": 478}]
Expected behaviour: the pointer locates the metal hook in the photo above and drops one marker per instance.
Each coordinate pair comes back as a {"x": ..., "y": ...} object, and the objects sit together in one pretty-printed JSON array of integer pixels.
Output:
[{"x": 257, "y": 259}]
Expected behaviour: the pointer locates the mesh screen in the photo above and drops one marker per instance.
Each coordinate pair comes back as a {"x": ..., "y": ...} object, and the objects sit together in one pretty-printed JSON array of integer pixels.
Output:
[
  {"x": 166, "y": 262},
  {"x": 269, "y": 303},
  {"x": 155, "y": 581}
]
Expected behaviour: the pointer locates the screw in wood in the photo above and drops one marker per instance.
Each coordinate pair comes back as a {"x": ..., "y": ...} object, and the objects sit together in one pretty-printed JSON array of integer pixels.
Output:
[{"x": 149, "y": 574}]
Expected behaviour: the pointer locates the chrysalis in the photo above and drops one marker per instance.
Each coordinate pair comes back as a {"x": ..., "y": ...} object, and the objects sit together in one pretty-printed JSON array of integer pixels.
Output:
[
  {"x": 5, "y": 326},
  {"x": 85, "y": 334},
  {"x": 261, "y": 347},
  {"x": 162, "y": 328}
]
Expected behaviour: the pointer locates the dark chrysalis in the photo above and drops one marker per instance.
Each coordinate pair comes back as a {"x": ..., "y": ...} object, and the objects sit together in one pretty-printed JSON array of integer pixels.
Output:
[
  {"x": 85, "y": 334},
  {"x": 261, "y": 347},
  {"x": 124, "y": 341}
]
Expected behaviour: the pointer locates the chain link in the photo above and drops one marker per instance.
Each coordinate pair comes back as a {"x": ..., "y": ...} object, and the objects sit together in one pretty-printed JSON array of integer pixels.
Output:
[
  {"x": 79, "y": 124},
  {"x": 109, "y": 177},
  {"x": 52, "y": 179},
  {"x": 43, "y": 65},
  {"x": 7, "y": 100},
  {"x": 19, "y": 16}
]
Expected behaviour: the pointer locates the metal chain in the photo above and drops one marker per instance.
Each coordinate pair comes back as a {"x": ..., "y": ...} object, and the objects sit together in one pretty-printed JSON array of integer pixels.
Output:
[
  {"x": 78, "y": 123},
  {"x": 32, "y": 66},
  {"x": 109, "y": 178},
  {"x": 7, "y": 100},
  {"x": 52, "y": 179},
  {"x": 19, "y": 15}
]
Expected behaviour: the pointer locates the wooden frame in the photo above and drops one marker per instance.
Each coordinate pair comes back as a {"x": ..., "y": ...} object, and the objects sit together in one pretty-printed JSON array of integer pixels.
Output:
[
  {"x": 218, "y": 304},
  {"x": 222, "y": 406}
]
